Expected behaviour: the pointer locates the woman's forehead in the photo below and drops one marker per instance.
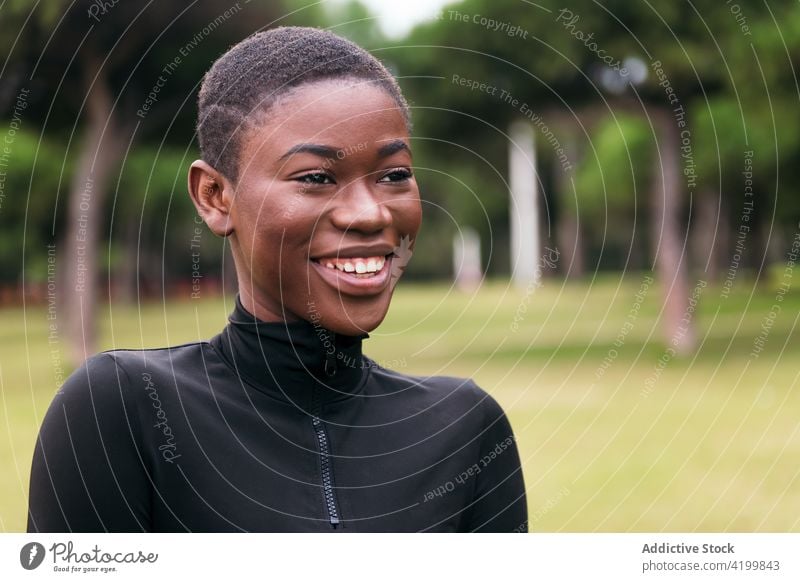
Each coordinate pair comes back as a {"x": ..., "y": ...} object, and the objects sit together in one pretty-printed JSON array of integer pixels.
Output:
[{"x": 326, "y": 118}]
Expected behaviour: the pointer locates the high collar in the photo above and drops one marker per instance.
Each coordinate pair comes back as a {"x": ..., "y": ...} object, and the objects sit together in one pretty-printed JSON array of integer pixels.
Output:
[{"x": 300, "y": 361}]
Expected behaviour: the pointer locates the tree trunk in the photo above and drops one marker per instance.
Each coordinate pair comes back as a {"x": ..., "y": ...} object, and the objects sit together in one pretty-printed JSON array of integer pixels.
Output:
[
  {"x": 526, "y": 269},
  {"x": 127, "y": 273},
  {"x": 571, "y": 245},
  {"x": 707, "y": 233},
  {"x": 101, "y": 149},
  {"x": 569, "y": 227},
  {"x": 668, "y": 243}
]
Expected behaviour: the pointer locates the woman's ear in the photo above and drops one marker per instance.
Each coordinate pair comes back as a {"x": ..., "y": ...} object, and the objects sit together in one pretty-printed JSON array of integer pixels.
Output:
[{"x": 212, "y": 195}]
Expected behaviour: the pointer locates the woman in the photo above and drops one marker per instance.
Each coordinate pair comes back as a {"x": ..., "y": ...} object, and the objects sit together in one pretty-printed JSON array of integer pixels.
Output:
[{"x": 280, "y": 422}]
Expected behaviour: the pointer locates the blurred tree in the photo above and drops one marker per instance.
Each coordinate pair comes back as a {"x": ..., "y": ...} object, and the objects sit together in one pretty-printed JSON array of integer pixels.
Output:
[
  {"x": 747, "y": 143},
  {"x": 114, "y": 73},
  {"x": 609, "y": 184},
  {"x": 35, "y": 170},
  {"x": 156, "y": 222},
  {"x": 113, "y": 81},
  {"x": 483, "y": 63}
]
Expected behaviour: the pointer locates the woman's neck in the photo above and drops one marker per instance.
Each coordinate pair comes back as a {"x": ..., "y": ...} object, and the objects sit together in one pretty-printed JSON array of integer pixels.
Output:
[{"x": 291, "y": 360}]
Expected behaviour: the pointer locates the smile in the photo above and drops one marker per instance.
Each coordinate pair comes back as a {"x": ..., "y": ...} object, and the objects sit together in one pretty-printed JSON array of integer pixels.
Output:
[{"x": 355, "y": 275}]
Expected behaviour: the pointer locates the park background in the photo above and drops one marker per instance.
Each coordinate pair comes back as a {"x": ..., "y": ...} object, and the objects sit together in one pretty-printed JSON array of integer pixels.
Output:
[{"x": 640, "y": 332}]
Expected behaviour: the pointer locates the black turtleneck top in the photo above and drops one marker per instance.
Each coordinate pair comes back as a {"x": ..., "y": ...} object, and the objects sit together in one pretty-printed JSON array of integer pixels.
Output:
[{"x": 271, "y": 427}]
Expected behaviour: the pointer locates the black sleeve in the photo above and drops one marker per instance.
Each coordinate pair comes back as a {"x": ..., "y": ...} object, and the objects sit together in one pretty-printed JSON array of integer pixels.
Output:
[
  {"x": 499, "y": 503},
  {"x": 87, "y": 474}
]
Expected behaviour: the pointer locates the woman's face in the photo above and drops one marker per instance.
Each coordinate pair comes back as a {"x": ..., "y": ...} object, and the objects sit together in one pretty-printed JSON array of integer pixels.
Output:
[{"x": 325, "y": 197}]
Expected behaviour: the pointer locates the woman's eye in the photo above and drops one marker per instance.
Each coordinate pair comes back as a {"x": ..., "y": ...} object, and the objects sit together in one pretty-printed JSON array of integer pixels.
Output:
[
  {"x": 398, "y": 175},
  {"x": 315, "y": 178}
]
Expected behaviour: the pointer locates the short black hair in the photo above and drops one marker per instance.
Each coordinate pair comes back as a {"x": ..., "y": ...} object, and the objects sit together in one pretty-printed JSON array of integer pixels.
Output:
[{"x": 246, "y": 80}]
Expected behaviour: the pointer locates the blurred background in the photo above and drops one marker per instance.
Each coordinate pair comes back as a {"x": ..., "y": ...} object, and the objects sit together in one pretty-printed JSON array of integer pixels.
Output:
[{"x": 611, "y": 226}]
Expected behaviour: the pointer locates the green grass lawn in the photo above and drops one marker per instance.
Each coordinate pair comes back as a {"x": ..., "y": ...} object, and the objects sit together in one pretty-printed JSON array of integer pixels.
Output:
[{"x": 713, "y": 443}]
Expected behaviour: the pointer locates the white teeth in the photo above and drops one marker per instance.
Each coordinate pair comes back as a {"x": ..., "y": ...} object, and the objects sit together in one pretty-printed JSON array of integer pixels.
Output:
[{"x": 359, "y": 266}]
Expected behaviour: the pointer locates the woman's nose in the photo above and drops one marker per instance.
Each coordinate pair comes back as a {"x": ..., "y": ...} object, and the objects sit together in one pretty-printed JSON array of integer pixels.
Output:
[{"x": 358, "y": 208}]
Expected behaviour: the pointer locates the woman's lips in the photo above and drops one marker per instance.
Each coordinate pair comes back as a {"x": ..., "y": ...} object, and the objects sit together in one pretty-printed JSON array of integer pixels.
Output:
[{"x": 353, "y": 282}]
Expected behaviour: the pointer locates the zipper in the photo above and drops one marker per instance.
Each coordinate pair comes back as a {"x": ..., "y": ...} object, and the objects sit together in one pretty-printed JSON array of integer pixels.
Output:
[
  {"x": 327, "y": 474},
  {"x": 324, "y": 445}
]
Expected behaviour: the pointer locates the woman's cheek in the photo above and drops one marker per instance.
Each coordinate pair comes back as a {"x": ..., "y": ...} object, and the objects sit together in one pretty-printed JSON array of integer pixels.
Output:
[{"x": 408, "y": 216}]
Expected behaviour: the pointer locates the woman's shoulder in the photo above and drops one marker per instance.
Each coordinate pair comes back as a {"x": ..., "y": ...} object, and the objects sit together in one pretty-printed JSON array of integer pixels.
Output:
[
  {"x": 437, "y": 387},
  {"x": 148, "y": 359},
  {"x": 111, "y": 372}
]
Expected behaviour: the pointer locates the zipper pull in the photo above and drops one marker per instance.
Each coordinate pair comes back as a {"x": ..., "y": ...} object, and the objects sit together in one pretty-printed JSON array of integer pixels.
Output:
[{"x": 330, "y": 357}]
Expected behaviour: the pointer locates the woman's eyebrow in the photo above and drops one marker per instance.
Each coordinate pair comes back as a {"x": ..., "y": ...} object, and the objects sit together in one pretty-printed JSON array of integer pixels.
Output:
[
  {"x": 324, "y": 151},
  {"x": 316, "y": 149},
  {"x": 393, "y": 147}
]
